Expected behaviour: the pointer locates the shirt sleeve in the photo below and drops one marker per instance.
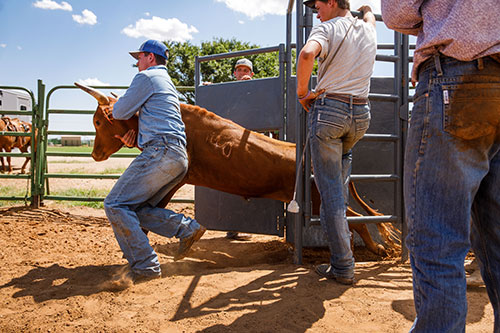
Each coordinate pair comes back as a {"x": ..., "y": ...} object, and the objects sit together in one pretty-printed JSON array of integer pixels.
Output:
[
  {"x": 403, "y": 15},
  {"x": 136, "y": 95},
  {"x": 320, "y": 34}
]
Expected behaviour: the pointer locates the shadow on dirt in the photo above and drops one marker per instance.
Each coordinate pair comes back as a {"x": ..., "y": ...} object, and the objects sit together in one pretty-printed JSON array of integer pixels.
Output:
[
  {"x": 286, "y": 297},
  {"x": 58, "y": 282}
]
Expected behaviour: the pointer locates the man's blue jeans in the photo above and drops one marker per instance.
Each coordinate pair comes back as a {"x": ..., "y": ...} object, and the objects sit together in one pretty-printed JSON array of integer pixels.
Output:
[
  {"x": 452, "y": 173},
  {"x": 334, "y": 128},
  {"x": 131, "y": 204}
]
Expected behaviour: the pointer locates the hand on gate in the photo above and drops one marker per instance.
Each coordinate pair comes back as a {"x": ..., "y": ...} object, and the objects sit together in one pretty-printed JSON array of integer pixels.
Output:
[
  {"x": 128, "y": 139},
  {"x": 309, "y": 98}
]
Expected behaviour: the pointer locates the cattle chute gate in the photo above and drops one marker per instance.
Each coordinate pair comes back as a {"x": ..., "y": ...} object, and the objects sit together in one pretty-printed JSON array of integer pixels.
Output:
[
  {"x": 271, "y": 103},
  {"x": 256, "y": 105}
]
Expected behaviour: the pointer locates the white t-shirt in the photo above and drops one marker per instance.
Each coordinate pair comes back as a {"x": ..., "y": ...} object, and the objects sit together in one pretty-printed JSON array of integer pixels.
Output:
[{"x": 352, "y": 67}]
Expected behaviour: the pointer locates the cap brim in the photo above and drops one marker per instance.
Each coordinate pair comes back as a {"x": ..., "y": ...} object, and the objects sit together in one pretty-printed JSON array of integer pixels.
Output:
[
  {"x": 135, "y": 54},
  {"x": 310, "y": 3},
  {"x": 242, "y": 65}
]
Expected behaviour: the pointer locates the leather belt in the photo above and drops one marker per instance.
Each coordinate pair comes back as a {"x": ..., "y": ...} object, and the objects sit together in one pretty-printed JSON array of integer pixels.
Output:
[
  {"x": 348, "y": 99},
  {"x": 495, "y": 57}
]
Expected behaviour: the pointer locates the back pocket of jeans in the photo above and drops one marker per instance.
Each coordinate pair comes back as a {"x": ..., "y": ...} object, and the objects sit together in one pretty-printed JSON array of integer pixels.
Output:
[
  {"x": 331, "y": 123},
  {"x": 362, "y": 122},
  {"x": 471, "y": 110}
]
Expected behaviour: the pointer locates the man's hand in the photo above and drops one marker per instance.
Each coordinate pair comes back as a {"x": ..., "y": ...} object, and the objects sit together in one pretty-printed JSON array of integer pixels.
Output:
[
  {"x": 128, "y": 139},
  {"x": 367, "y": 14},
  {"x": 309, "y": 98},
  {"x": 108, "y": 109}
]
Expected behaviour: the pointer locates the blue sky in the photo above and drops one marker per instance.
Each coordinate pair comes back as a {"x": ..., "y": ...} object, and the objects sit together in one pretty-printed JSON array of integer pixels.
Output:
[{"x": 88, "y": 41}]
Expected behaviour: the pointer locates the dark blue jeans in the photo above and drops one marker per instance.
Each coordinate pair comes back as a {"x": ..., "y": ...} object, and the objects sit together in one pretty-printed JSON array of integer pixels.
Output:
[
  {"x": 334, "y": 128},
  {"x": 452, "y": 173}
]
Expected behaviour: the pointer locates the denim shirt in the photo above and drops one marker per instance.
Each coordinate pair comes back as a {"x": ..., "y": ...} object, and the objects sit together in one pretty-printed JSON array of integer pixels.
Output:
[{"x": 153, "y": 95}]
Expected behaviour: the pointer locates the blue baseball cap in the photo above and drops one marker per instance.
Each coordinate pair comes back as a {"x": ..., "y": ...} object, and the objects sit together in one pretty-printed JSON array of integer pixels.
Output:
[{"x": 152, "y": 46}]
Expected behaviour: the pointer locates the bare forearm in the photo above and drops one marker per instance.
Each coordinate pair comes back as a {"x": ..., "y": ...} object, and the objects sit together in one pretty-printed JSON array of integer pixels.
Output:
[
  {"x": 304, "y": 70},
  {"x": 368, "y": 16},
  {"x": 305, "y": 66}
]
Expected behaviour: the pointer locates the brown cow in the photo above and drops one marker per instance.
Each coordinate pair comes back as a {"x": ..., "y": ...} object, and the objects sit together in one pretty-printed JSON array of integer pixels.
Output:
[
  {"x": 227, "y": 157},
  {"x": 8, "y": 143}
]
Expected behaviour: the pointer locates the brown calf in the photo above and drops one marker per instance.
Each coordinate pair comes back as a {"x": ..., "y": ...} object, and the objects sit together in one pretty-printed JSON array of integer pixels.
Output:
[
  {"x": 227, "y": 157},
  {"x": 8, "y": 143}
]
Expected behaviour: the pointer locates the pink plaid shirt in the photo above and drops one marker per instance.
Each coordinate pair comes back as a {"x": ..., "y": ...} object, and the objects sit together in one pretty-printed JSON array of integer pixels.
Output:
[{"x": 461, "y": 29}]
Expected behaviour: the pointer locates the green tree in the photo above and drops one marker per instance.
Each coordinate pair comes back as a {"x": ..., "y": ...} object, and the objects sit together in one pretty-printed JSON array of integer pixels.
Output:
[{"x": 182, "y": 61}]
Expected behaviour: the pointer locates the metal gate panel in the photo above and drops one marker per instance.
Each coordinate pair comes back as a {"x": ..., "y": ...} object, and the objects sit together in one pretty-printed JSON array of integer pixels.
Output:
[
  {"x": 222, "y": 211},
  {"x": 256, "y": 105}
]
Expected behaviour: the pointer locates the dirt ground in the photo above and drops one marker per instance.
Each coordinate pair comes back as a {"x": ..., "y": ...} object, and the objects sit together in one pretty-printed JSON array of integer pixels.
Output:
[{"x": 56, "y": 264}]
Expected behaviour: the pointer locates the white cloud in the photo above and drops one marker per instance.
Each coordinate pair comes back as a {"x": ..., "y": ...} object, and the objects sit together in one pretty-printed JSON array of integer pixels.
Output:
[
  {"x": 374, "y": 4},
  {"x": 93, "y": 81},
  {"x": 19, "y": 48},
  {"x": 53, "y": 5},
  {"x": 259, "y": 8},
  {"x": 147, "y": 13},
  {"x": 161, "y": 29},
  {"x": 3, "y": 45},
  {"x": 241, "y": 22},
  {"x": 87, "y": 17}
]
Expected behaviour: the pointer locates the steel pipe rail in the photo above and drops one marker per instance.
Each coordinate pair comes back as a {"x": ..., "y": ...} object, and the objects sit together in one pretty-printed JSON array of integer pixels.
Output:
[
  {"x": 97, "y": 199},
  {"x": 69, "y": 154},
  {"x": 15, "y": 176},
  {"x": 380, "y": 138},
  {"x": 9, "y": 133},
  {"x": 15, "y": 154},
  {"x": 238, "y": 53},
  {"x": 81, "y": 176},
  {"x": 70, "y": 133},
  {"x": 386, "y": 58},
  {"x": 66, "y": 111},
  {"x": 362, "y": 219},
  {"x": 383, "y": 97},
  {"x": 375, "y": 178}
]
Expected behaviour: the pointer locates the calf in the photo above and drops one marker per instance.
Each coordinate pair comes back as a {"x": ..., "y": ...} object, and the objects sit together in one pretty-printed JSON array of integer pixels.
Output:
[
  {"x": 8, "y": 143},
  {"x": 227, "y": 157}
]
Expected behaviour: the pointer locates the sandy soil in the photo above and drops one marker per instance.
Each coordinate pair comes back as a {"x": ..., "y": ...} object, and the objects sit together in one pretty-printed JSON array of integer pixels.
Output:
[{"x": 56, "y": 263}]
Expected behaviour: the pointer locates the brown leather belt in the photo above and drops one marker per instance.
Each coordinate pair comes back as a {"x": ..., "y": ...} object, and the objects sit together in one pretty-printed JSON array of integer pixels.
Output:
[
  {"x": 495, "y": 57},
  {"x": 348, "y": 98}
]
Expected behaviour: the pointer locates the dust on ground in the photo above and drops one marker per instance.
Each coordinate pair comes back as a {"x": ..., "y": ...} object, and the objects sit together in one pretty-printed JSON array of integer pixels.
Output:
[{"x": 56, "y": 263}]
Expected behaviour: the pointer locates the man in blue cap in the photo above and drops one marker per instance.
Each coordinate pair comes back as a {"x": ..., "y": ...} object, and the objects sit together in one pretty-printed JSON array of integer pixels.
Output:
[{"x": 131, "y": 204}]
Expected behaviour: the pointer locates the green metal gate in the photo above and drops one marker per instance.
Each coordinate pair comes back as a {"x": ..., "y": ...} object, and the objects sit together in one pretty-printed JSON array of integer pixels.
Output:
[
  {"x": 38, "y": 178},
  {"x": 45, "y": 177},
  {"x": 32, "y": 190}
]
